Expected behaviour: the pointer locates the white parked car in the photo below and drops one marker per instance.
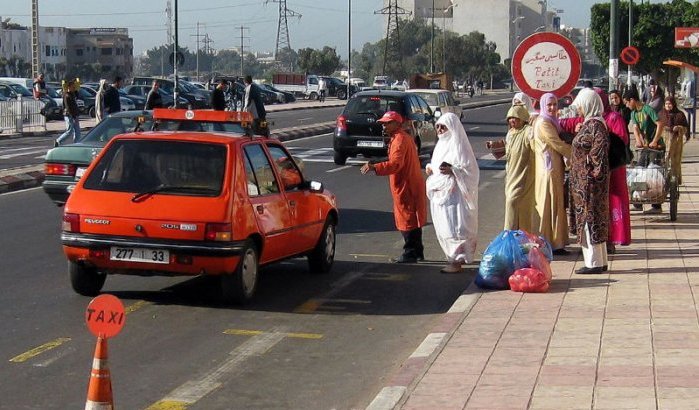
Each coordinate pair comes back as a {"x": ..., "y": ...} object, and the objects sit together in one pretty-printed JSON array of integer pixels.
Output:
[{"x": 440, "y": 101}]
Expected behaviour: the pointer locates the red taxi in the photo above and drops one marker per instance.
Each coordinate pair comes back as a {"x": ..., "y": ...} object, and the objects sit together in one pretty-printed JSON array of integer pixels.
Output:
[{"x": 193, "y": 203}]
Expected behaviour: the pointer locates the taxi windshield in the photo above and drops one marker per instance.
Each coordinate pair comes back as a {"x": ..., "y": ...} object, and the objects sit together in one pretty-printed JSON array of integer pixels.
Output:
[{"x": 162, "y": 167}]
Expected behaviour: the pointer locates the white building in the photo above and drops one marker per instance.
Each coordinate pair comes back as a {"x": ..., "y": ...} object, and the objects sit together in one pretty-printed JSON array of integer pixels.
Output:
[
  {"x": 15, "y": 46},
  {"x": 504, "y": 22},
  {"x": 52, "y": 51}
]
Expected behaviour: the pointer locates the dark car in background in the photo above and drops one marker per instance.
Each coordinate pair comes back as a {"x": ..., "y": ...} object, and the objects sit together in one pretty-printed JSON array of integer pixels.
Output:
[
  {"x": 196, "y": 97},
  {"x": 142, "y": 91},
  {"x": 282, "y": 96},
  {"x": 358, "y": 131},
  {"x": 50, "y": 109},
  {"x": 338, "y": 88}
]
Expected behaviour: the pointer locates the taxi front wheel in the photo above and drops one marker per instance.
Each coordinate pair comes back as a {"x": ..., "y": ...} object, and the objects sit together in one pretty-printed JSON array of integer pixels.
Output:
[
  {"x": 321, "y": 258},
  {"x": 86, "y": 281},
  {"x": 239, "y": 287}
]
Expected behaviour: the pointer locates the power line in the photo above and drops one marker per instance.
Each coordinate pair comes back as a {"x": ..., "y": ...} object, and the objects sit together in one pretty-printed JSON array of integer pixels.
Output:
[
  {"x": 392, "y": 45},
  {"x": 283, "y": 41}
]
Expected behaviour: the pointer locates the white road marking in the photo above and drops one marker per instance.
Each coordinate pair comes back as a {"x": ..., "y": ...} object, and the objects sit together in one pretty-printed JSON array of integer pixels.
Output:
[
  {"x": 339, "y": 169},
  {"x": 26, "y": 151},
  {"x": 192, "y": 391},
  {"x": 473, "y": 128}
]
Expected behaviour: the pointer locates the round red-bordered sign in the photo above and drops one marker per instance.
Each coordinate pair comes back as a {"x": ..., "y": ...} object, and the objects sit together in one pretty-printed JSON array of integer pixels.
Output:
[
  {"x": 546, "y": 63},
  {"x": 105, "y": 316},
  {"x": 630, "y": 55}
]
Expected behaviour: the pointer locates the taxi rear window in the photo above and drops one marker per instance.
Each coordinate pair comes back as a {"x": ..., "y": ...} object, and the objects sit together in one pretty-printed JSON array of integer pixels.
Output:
[{"x": 166, "y": 167}]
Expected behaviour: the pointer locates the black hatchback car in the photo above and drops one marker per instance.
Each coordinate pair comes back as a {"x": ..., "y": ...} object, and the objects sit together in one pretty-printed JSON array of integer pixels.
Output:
[{"x": 359, "y": 133}]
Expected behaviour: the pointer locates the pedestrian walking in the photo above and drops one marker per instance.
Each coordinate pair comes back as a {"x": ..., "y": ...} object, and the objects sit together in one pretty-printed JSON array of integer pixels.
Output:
[
  {"x": 71, "y": 112},
  {"x": 112, "y": 102},
  {"x": 452, "y": 187},
  {"x": 589, "y": 182},
  {"x": 322, "y": 89},
  {"x": 99, "y": 100},
  {"x": 407, "y": 186},
  {"x": 154, "y": 99},
  {"x": 549, "y": 193},
  {"x": 218, "y": 96},
  {"x": 254, "y": 105}
]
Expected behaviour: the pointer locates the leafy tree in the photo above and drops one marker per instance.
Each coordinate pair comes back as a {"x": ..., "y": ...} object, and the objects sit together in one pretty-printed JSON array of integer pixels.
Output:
[
  {"x": 323, "y": 62},
  {"x": 652, "y": 30}
]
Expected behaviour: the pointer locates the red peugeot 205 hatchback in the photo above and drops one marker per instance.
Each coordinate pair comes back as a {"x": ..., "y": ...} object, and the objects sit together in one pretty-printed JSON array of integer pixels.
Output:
[{"x": 195, "y": 199}]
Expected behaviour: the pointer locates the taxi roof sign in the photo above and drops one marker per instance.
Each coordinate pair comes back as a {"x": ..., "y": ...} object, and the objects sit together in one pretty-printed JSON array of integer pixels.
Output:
[
  {"x": 202, "y": 115},
  {"x": 105, "y": 316}
]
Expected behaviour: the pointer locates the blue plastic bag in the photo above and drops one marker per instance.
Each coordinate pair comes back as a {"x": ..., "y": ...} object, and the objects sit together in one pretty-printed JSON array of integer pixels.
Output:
[{"x": 503, "y": 256}]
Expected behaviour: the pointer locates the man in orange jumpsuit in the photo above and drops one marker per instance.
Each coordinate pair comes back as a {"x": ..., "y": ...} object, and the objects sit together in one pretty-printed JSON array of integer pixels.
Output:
[{"x": 407, "y": 186}]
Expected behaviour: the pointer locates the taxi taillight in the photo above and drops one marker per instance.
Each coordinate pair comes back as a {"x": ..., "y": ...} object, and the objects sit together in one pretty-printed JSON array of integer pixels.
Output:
[
  {"x": 218, "y": 232},
  {"x": 60, "y": 169},
  {"x": 71, "y": 222}
]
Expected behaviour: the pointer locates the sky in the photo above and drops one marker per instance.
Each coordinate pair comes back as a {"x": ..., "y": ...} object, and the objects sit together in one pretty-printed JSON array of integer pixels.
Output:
[{"x": 322, "y": 22}]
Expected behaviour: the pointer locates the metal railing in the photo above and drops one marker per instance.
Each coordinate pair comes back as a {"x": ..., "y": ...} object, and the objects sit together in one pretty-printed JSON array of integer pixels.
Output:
[{"x": 17, "y": 116}]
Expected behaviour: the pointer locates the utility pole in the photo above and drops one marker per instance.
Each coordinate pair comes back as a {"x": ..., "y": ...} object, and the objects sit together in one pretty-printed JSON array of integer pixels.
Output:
[
  {"x": 628, "y": 75},
  {"x": 283, "y": 27},
  {"x": 197, "y": 36},
  {"x": 36, "y": 62},
  {"x": 392, "y": 42},
  {"x": 432, "y": 42},
  {"x": 613, "y": 44},
  {"x": 349, "y": 47},
  {"x": 175, "y": 94},
  {"x": 242, "y": 48}
]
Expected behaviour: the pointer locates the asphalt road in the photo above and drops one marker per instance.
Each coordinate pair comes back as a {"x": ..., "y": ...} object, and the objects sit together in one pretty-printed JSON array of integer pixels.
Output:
[{"x": 307, "y": 341}]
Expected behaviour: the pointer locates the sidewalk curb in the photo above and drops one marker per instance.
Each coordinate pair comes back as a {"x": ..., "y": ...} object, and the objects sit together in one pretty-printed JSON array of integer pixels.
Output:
[
  {"x": 414, "y": 368},
  {"x": 23, "y": 180}
]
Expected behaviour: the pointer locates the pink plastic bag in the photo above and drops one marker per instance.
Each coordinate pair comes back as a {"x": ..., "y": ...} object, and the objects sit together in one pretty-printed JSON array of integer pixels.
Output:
[
  {"x": 528, "y": 280},
  {"x": 537, "y": 260}
]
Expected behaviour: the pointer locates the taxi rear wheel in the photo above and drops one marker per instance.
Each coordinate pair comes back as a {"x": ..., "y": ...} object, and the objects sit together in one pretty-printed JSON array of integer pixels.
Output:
[
  {"x": 86, "y": 281},
  {"x": 239, "y": 287},
  {"x": 321, "y": 259}
]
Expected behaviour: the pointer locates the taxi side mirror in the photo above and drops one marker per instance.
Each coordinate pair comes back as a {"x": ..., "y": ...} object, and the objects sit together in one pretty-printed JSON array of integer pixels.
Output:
[{"x": 314, "y": 186}]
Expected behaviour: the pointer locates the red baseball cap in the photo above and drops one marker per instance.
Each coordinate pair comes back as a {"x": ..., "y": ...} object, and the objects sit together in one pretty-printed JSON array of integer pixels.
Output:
[{"x": 391, "y": 116}]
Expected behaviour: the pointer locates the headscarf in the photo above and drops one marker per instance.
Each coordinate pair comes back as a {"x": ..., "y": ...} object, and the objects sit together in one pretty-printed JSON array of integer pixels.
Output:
[
  {"x": 619, "y": 107},
  {"x": 518, "y": 111},
  {"x": 590, "y": 104},
  {"x": 521, "y": 98},
  {"x": 543, "y": 103},
  {"x": 674, "y": 116},
  {"x": 453, "y": 147}
]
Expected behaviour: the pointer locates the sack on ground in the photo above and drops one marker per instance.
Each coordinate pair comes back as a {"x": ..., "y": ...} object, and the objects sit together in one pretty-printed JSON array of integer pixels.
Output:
[
  {"x": 528, "y": 280},
  {"x": 502, "y": 257}
]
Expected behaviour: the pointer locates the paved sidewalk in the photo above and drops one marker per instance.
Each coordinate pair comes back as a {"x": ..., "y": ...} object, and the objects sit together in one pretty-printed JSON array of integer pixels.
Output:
[{"x": 626, "y": 339}]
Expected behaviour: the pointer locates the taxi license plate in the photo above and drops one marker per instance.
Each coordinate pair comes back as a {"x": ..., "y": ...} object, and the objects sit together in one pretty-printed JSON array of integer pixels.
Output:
[
  {"x": 372, "y": 144},
  {"x": 79, "y": 172},
  {"x": 139, "y": 255}
]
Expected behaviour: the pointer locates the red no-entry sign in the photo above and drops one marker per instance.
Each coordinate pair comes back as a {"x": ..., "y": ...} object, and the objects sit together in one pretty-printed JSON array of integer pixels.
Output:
[
  {"x": 105, "y": 316},
  {"x": 546, "y": 63},
  {"x": 630, "y": 55}
]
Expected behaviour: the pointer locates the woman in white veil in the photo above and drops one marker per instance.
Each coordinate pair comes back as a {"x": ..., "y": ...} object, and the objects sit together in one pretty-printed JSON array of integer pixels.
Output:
[{"x": 452, "y": 187}]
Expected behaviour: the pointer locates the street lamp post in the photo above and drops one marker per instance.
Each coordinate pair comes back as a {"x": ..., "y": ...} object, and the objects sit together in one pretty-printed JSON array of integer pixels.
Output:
[
  {"x": 628, "y": 75},
  {"x": 432, "y": 42},
  {"x": 349, "y": 47}
]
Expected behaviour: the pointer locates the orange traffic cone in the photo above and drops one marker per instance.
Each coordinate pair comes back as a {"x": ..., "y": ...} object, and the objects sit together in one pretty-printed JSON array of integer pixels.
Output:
[{"x": 99, "y": 390}]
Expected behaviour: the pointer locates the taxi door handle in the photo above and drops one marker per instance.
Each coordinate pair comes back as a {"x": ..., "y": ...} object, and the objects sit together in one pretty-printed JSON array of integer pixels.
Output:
[
  {"x": 260, "y": 209},
  {"x": 292, "y": 204}
]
